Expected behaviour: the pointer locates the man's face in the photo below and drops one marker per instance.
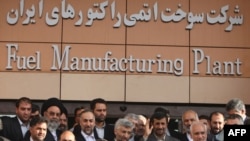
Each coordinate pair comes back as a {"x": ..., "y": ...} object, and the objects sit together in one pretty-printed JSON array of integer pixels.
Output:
[
  {"x": 52, "y": 114},
  {"x": 205, "y": 122},
  {"x": 39, "y": 131},
  {"x": 35, "y": 114},
  {"x": 159, "y": 127},
  {"x": 87, "y": 122},
  {"x": 217, "y": 123},
  {"x": 100, "y": 112},
  {"x": 199, "y": 133},
  {"x": 188, "y": 118},
  {"x": 63, "y": 122},
  {"x": 77, "y": 117},
  {"x": 140, "y": 128},
  {"x": 24, "y": 111},
  {"x": 123, "y": 133}
]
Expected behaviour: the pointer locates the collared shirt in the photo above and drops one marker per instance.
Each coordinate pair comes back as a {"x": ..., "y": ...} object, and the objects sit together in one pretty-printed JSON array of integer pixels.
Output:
[
  {"x": 220, "y": 136},
  {"x": 167, "y": 132},
  {"x": 88, "y": 137},
  {"x": 54, "y": 134},
  {"x": 31, "y": 139},
  {"x": 100, "y": 131},
  {"x": 160, "y": 139},
  {"x": 189, "y": 137},
  {"x": 244, "y": 117},
  {"x": 24, "y": 127},
  {"x": 132, "y": 138}
]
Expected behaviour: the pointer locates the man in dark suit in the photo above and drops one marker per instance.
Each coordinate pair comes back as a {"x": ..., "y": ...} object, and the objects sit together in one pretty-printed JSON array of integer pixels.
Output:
[
  {"x": 51, "y": 110},
  {"x": 159, "y": 122},
  {"x": 87, "y": 124},
  {"x": 237, "y": 106},
  {"x": 104, "y": 130},
  {"x": 123, "y": 130},
  {"x": 198, "y": 131},
  {"x": 188, "y": 117},
  {"x": 38, "y": 129},
  {"x": 15, "y": 128}
]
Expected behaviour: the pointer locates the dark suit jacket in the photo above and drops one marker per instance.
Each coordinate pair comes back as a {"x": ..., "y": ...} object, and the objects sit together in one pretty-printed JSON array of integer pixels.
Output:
[
  {"x": 79, "y": 136},
  {"x": 11, "y": 129},
  {"x": 247, "y": 121},
  {"x": 27, "y": 136},
  {"x": 179, "y": 135},
  {"x": 108, "y": 132},
  {"x": 49, "y": 136},
  {"x": 152, "y": 137}
]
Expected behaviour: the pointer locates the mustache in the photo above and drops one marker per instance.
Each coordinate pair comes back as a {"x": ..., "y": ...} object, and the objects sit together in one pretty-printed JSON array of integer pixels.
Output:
[{"x": 53, "y": 124}]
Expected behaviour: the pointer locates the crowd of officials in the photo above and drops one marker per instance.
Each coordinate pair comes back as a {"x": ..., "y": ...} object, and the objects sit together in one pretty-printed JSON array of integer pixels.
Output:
[{"x": 50, "y": 123}]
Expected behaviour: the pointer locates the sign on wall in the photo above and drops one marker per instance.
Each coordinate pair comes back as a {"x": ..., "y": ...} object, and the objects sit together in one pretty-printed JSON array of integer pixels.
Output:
[{"x": 173, "y": 51}]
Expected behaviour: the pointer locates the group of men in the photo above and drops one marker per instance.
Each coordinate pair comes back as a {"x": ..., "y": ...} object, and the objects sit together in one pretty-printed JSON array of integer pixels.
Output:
[
  {"x": 51, "y": 123},
  {"x": 29, "y": 125}
]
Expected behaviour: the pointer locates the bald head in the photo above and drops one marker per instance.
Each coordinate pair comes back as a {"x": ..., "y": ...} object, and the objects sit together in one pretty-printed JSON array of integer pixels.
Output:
[
  {"x": 67, "y": 136},
  {"x": 198, "y": 131}
]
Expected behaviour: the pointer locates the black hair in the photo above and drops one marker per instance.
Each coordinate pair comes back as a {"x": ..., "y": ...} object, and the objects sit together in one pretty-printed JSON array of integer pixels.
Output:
[
  {"x": 38, "y": 120},
  {"x": 97, "y": 100},
  {"x": 23, "y": 99}
]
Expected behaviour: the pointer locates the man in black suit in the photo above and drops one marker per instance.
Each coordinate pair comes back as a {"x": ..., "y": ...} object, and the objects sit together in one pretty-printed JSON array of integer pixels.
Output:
[
  {"x": 51, "y": 110},
  {"x": 188, "y": 117},
  {"x": 123, "y": 130},
  {"x": 38, "y": 129},
  {"x": 15, "y": 128},
  {"x": 87, "y": 124},
  {"x": 104, "y": 130},
  {"x": 237, "y": 106},
  {"x": 159, "y": 123}
]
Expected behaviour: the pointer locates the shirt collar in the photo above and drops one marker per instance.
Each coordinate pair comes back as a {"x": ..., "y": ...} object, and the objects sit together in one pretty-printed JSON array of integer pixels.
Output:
[
  {"x": 21, "y": 123},
  {"x": 85, "y": 135},
  {"x": 158, "y": 138}
]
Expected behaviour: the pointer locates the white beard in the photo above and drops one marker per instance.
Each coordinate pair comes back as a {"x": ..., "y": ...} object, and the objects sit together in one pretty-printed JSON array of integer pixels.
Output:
[{"x": 53, "y": 125}]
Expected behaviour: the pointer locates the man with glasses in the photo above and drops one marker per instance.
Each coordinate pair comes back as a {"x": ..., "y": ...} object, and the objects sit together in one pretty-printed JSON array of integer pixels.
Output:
[{"x": 51, "y": 110}]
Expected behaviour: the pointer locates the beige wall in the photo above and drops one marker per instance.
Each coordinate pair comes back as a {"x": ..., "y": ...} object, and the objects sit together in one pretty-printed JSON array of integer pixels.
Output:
[{"x": 144, "y": 40}]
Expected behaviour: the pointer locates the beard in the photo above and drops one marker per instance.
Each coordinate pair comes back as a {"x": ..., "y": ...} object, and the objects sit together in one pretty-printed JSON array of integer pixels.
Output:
[
  {"x": 186, "y": 129},
  {"x": 99, "y": 119},
  {"x": 62, "y": 127},
  {"x": 53, "y": 124}
]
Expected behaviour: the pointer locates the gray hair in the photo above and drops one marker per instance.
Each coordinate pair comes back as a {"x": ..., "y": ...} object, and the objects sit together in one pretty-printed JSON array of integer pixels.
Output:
[
  {"x": 197, "y": 123},
  {"x": 123, "y": 122},
  {"x": 235, "y": 104},
  {"x": 132, "y": 116},
  {"x": 237, "y": 117}
]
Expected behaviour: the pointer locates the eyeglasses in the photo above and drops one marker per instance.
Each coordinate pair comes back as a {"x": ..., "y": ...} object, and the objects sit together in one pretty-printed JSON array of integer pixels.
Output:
[{"x": 54, "y": 114}]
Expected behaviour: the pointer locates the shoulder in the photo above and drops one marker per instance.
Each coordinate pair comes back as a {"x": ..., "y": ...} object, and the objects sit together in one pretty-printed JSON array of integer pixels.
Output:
[
  {"x": 169, "y": 138},
  {"x": 177, "y": 135},
  {"x": 247, "y": 121},
  {"x": 3, "y": 139},
  {"x": 109, "y": 126}
]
